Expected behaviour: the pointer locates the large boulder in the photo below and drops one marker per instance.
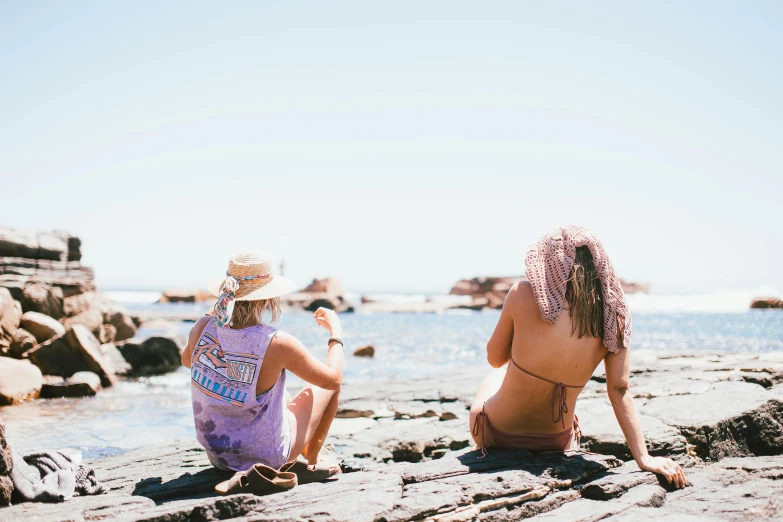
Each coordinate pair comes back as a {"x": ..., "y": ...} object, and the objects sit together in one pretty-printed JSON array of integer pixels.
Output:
[
  {"x": 327, "y": 285},
  {"x": 124, "y": 326},
  {"x": 92, "y": 319},
  {"x": 9, "y": 317},
  {"x": 85, "y": 344},
  {"x": 56, "y": 357},
  {"x": 22, "y": 343},
  {"x": 114, "y": 359},
  {"x": 41, "y": 326},
  {"x": 80, "y": 384},
  {"x": 76, "y": 304},
  {"x": 78, "y": 350},
  {"x": 153, "y": 356},
  {"x": 39, "y": 297},
  {"x": 19, "y": 381}
]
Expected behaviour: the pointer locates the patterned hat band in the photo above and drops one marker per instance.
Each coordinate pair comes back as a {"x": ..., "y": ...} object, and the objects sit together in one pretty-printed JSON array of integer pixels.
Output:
[{"x": 224, "y": 308}]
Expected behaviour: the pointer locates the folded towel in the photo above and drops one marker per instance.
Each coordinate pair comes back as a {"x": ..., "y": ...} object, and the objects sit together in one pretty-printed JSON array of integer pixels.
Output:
[{"x": 51, "y": 476}]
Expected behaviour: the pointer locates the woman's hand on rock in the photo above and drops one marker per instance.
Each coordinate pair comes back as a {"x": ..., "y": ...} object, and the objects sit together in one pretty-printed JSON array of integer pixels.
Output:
[
  {"x": 671, "y": 471},
  {"x": 328, "y": 319}
]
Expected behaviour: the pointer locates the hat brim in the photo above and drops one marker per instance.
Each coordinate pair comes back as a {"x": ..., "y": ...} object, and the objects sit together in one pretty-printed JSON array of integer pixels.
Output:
[{"x": 278, "y": 286}]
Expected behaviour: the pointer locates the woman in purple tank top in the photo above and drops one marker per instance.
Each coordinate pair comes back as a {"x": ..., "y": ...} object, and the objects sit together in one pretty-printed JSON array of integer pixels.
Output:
[{"x": 238, "y": 368}]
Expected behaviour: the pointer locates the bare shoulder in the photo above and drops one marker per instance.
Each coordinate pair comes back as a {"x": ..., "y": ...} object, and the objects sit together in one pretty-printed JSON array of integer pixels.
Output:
[
  {"x": 521, "y": 294},
  {"x": 283, "y": 341}
]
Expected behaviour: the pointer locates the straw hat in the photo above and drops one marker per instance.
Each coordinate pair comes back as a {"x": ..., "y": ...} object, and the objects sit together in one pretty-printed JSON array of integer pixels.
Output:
[{"x": 246, "y": 264}]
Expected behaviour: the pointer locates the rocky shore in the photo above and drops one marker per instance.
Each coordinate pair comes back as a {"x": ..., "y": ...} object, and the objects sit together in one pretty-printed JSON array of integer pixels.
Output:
[
  {"x": 405, "y": 449},
  {"x": 59, "y": 336}
]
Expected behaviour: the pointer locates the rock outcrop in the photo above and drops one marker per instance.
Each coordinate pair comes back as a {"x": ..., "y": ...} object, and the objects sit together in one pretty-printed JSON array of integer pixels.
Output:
[
  {"x": 630, "y": 287},
  {"x": 321, "y": 293},
  {"x": 327, "y": 285},
  {"x": 767, "y": 302},
  {"x": 19, "y": 381},
  {"x": 43, "y": 272},
  {"x": 487, "y": 292},
  {"x": 185, "y": 296}
]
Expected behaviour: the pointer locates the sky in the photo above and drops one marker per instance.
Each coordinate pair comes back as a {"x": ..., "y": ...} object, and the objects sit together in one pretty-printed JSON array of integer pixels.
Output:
[{"x": 397, "y": 146}]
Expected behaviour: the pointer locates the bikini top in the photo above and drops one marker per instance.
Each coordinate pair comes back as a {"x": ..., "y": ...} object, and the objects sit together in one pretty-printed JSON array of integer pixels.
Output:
[{"x": 559, "y": 405}]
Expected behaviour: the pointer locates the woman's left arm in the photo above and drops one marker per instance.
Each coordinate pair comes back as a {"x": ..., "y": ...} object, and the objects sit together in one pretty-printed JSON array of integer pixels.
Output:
[
  {"x": 618, "y": 372},
  {"x": 499, "y": 344}
]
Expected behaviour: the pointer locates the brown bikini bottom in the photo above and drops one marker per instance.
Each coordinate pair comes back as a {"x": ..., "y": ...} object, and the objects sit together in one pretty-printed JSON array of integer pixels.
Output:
[{"x": 558, "y": 441}]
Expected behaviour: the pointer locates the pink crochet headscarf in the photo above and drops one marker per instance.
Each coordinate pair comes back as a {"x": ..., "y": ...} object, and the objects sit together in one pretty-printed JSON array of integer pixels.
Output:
[{"x": 548, "y": 266}]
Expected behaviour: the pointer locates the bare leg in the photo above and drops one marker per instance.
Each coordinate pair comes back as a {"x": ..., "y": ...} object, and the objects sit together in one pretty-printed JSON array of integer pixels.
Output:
[
  {"x": 488, "y": 387},
  {"x": 314, "y": 445},
  {"x": 310, "y": 415}
]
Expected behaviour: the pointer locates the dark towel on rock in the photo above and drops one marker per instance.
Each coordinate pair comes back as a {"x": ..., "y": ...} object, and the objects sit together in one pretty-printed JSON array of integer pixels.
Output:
[{"x": 51, "y": 476}]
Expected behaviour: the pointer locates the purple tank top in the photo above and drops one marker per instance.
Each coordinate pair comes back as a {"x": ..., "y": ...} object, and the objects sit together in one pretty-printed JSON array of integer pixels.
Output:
[{"x": 237, "y": 428}]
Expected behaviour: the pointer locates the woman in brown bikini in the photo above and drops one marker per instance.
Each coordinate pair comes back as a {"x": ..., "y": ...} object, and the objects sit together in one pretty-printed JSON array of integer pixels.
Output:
[{"x": 543, "y": 358}]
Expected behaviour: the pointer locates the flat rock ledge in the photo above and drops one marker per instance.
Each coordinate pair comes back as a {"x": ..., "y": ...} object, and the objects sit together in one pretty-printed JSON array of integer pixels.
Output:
[
  {"x": 174, "y": 483},
  {"x": 405, "y": 447}
]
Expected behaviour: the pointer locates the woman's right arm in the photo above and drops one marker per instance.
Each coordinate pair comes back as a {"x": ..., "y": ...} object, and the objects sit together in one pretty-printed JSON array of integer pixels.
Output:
[
  {"x": 617, "y": 367},
  {"x": 297, "y": 359}
]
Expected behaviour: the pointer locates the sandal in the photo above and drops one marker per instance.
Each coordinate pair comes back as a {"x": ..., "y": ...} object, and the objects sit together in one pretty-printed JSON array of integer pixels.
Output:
[
  {"x": 307, "y": 473},
  {"x": 259, "y": 480}
]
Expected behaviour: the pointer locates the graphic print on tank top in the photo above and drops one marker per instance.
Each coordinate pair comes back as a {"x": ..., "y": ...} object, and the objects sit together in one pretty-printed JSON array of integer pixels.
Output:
[{"x": 225, "y": 376}]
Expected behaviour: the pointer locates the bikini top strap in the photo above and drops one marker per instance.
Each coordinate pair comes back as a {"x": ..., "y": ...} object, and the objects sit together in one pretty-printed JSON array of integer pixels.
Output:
[{"x": 544, "y": 378}]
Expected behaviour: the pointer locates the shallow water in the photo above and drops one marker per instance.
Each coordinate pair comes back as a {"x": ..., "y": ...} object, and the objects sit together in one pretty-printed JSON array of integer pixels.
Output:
[{"x": 156, "y": 409}]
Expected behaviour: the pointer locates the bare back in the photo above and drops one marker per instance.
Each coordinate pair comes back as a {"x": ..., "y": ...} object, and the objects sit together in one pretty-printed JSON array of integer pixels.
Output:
[{"x": 524, "y": 403}]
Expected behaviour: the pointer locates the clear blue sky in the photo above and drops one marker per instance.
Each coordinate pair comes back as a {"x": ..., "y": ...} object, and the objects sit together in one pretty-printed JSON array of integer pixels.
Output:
[{"x": 400, "y": 145}]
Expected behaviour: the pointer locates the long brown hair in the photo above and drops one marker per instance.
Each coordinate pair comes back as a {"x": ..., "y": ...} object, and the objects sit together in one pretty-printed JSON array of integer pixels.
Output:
[{"x": 585, "y": 297}]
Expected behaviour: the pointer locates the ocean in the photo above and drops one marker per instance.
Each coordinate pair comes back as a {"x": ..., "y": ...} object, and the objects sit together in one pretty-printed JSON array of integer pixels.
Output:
[{"x": 155, "y": 409}]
